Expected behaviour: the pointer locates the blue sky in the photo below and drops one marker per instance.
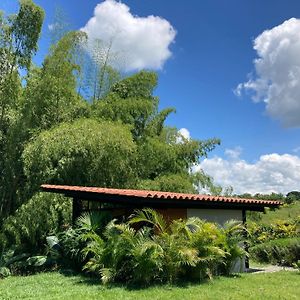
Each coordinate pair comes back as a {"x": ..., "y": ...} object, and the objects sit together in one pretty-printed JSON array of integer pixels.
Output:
[{"x": 211, "y": 54}]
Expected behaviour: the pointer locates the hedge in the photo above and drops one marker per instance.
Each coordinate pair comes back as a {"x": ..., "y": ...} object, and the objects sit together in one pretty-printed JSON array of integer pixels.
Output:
[{"x": 284, "y": 251}]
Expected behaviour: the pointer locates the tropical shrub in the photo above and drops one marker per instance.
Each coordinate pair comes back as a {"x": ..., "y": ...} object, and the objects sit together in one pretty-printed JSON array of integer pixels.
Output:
[
  {"x": 68, "y": 245},
  {"x": 234, "y": 234},
  {"x": 260, "y": 233},
  {"x": 12, "y": 263},
  {"x": 281, "y": 251},
  {"x": 296, "y": 265},
  {"x": 190, "y": 249}
]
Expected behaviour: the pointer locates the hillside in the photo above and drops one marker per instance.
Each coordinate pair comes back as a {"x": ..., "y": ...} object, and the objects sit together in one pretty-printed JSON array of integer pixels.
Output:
[{"x": 286, "y": 212}]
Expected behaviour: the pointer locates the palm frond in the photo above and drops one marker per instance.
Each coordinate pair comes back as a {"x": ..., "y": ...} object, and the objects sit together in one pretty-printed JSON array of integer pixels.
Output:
[
  {"x": 107, "y": 275},
  {"x": 149, "y": 216},
  {"x": 91, "y": 221}
]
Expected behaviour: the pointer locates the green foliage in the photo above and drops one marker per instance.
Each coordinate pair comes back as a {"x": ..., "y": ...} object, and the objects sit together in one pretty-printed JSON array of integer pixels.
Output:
[
  {"x": 50, "y": 95},
  {"x": 50, "y": 133},
  {"x": 292, "y": 196},
  {"x": 259, "y": 233},
  {"x": 32, "y": 222},
  {"x": 4, "y": 272},
  {"x": 286, "y": 212},
  {"x": 190, "y": 249},
  {"x": 151, "y": 217},
  {"x": 281, "y": 251},
  {"x": 26, "y": 28},
  {"x": 7, "y": 259},
  {"x": 12, "y": 263},
  {"x": 272, "y": 196},
  {"x": 140, "y": 85},
  {"x": 80, "y": 153},
  {"x": 155, "y": 127},
  {"x": 234, "y": 233},
  {"x": 179, "y": 183},
  {"x": 130, "y": 101},
  {"x": 18, "y": 43},
  {"x": 99, "y": 76},
  {"x": 296, "y": 265},
  {"x": 66, "y": 248}
]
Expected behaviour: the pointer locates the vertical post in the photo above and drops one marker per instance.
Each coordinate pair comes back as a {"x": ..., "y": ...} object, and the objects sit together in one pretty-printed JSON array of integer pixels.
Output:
[
  {"x": 77, "y": 209},
  {"x": 246, "y": 236}
]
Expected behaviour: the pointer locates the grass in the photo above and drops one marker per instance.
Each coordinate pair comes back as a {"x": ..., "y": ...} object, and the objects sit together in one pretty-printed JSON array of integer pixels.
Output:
[
  {"x": 280, "y": 285},
  {"x": 286, "y": 212}
]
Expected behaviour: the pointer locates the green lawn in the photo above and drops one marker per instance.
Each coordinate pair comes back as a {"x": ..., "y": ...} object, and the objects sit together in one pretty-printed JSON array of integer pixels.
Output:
[
  {"x": 286, "y": 212},
  {"x": 280, "y": 285}
]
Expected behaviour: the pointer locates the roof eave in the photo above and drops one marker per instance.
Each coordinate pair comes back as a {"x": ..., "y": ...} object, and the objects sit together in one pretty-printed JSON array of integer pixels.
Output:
[{"x": 136, "y": 201}]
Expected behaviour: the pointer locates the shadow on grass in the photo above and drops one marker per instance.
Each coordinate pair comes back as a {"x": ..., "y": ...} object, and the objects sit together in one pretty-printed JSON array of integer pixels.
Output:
[
  {"x": 90, "y": 280},
  {"x": 81, "y": 277}
]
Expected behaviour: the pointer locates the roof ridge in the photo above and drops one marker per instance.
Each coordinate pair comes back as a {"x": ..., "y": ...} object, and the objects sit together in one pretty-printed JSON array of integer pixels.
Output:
[{"x": 156, "y": 194}]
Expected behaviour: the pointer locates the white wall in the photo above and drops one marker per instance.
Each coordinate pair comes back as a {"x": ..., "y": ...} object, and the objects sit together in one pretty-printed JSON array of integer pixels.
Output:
[{"x": 219, "y": 216}]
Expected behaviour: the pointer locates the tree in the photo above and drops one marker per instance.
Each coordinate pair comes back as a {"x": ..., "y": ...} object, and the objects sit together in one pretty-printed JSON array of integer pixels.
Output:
[
  {"x": 85, "y": 152},
  {"x": 292, "y": 197},
  {"x": 131, "y": 102},
  {"x": 50, "y": 133},
  {"x": 18, "y": 43},
  {"x": 50, "y": 94}
]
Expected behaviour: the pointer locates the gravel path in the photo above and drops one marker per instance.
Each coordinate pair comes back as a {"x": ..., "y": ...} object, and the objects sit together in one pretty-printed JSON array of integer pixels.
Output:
[{"x": 269, "y": 269}]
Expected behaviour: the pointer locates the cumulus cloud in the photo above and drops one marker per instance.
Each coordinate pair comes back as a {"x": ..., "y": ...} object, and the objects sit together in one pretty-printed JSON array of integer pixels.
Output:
[
  {"x": 185, "y": 133},
  {"x": 277, "y": 80},
  {"x": 143, "y": 41},
  {"x": 233, "y": 153},
  {"x": 271, "y": 173}
]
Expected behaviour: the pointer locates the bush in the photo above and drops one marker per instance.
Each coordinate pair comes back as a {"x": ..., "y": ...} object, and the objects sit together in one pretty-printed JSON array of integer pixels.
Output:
[
  {"x": 26, "y": 230},
  {"x": 160, "y": 252},
  {"x": 260, "y": 233},
  {"x": 281, "y": 251}
]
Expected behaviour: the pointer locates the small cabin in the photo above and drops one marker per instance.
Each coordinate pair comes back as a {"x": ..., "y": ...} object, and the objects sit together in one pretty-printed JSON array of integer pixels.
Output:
[{"x": 121, "y": 203}]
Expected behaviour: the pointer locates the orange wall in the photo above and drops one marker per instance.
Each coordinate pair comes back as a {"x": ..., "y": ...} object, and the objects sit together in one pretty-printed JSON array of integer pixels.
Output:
[{"x": 171, "y": 214}]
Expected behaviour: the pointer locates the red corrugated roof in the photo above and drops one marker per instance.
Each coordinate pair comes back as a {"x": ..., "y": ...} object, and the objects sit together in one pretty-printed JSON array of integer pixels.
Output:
[{"x": 156, "y": 194}]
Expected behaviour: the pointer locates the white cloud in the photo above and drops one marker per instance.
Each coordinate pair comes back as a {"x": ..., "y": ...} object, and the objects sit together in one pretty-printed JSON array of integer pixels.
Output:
[
  {"x": 277, "y": 67},
  {"x": 233, "y": 153},
  {"x": 185, "y": 133},
  {"x": 271, "y": 173},
  {"x": 142, "y": 41}
]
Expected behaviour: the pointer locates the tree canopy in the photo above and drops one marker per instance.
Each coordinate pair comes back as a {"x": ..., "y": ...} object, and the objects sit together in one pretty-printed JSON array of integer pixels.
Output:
[{"x": 113, "y": 136}]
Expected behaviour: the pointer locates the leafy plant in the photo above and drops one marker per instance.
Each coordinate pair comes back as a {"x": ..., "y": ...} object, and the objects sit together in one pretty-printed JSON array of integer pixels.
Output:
[
  {"x": 296, "y": 265},
  {"x": 28, "y": 228},
  {"x": 281, "y": 251},
  {"x": 260, "y": 233},
  {"x": 181, "y": 249}
]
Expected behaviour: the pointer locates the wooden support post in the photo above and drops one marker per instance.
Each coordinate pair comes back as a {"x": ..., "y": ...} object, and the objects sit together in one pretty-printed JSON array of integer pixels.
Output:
[
  {"x": 246, "y": 236},
  {"x": 77, "y": 209}
]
